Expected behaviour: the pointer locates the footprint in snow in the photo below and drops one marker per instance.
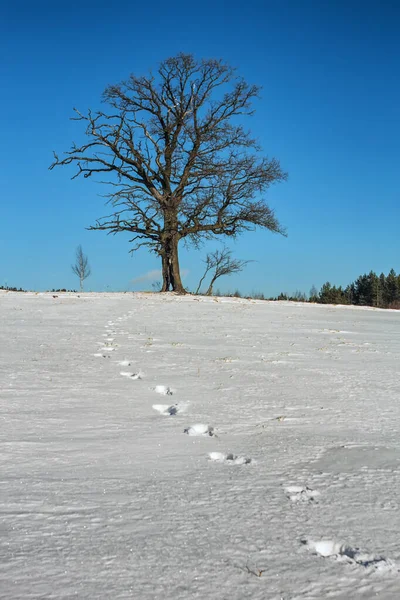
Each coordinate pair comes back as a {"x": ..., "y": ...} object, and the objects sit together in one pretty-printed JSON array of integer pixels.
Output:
[
  {"x": 200, "y": 429},
  {"x": 299, "y": 494},
  {"x": 342, "y": 552},
  {"x": 229, "y": 458},
  {"x": 168, "y": 410},
  {"x": 163, "y": 390},
  {"x": 131, "y": 375}
]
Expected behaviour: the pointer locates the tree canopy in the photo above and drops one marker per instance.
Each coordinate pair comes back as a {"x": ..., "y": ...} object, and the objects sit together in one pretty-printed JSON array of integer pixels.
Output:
[{"x": 178, "y": 163}]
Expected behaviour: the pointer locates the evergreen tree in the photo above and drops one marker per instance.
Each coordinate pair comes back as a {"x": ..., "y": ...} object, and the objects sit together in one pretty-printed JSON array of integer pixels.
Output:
[
  {"x": 366, "y": 290},
  {"x": 382, "y": 284},
  {"x": 349, "y": 294},
  {"x": 326, "y": 294},
  {"x": 392, "y": 291},
  {"x": 376, "y": 290},
  {"x": 332, "y": 295}
]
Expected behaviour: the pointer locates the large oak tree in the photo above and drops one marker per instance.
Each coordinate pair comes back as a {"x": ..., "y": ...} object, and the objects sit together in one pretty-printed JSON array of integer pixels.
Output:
[{"x": 178, "y": 162}]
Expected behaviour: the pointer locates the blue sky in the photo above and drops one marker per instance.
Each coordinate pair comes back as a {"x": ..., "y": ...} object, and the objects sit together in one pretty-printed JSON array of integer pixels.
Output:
[{"x": 329, "y": 112}]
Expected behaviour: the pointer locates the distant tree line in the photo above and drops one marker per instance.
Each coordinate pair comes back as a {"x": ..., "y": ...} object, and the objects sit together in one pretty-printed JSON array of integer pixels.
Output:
[
  {"x": 7, "y": 288},
  {"x": 381, "y": 291}
]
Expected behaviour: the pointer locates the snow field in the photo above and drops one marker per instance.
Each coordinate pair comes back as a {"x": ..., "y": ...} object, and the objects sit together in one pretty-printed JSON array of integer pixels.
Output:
[{"x": 103, "y": 497}]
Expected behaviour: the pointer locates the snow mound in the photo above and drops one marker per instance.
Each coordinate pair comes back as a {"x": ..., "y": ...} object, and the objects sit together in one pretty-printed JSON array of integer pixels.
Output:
[
  {"x": 297, "y": 493},
  {"x": 199, "y": 429},
  {"x": 163, "y": 390},
  {"x": 168, "y": 410},
  {"x": 330, "y": 548},
  {"x": 229, "y": 458},
  {"x": 131, "y": 375}
]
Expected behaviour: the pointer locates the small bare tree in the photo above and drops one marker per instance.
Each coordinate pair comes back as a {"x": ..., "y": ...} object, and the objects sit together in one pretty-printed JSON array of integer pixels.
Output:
[
  {"x": 223, "y": 264},
  {"x": 81, "y": 268}
]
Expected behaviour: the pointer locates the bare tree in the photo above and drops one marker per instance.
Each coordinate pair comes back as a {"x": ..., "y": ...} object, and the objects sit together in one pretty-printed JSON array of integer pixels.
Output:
[
  {"x": 81, "y": 268},
  {"x": 223, "y": 264},
  {"x": 178, "y": 164}
]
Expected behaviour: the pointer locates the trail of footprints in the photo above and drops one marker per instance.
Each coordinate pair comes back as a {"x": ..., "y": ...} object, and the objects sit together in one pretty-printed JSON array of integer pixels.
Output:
[
  {"x": 298, "y": 495},
  {"x": 168, "y": 410},
  {"x": 332, "y": 549},
  {"x": 303, "y": 495}
]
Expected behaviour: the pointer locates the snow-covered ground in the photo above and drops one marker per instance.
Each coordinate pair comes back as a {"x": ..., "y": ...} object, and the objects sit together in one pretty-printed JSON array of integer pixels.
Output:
[{"x": 176, "y": 447}]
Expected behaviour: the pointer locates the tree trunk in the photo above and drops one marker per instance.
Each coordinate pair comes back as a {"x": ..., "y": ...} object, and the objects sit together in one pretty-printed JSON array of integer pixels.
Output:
[
  {"x": 201, "y": 281},
  {"x": 170, "y": 265},
  {"x": 210, "y": 287}
]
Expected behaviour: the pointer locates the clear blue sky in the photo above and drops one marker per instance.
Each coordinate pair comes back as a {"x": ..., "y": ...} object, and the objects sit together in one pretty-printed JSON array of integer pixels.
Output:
[{"x": 329, "y": 111}]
